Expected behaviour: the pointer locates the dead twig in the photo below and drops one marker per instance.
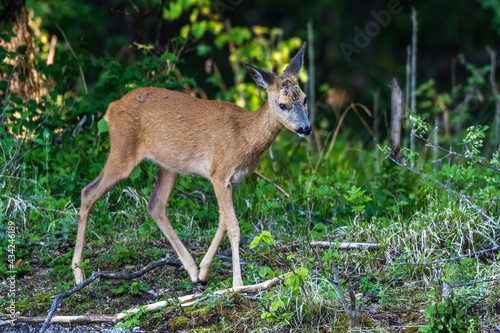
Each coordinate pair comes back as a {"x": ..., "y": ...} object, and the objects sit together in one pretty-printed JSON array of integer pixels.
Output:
[
  {"x": 323, "y": 245},
  {"x": 413, "y": 71},
  {"x": 74, "y": 56},
  {"x": 270, "y": 181},
  {"x": 396, "y": 114},
  {"x": 184, "y": 301},
  {"x": 351, "y": 308},
  {"x": 341, "y": 120},
  {"x": 96, "y": 275},
  {"x": 472, "y": 283},
  {"x": 452, "y": 153},
  {"x": 495, "y": 248},
  {"x": 455, "y": 193},
  {"x": 496, "y": 95},
  {"x": 345, "y": 246}
]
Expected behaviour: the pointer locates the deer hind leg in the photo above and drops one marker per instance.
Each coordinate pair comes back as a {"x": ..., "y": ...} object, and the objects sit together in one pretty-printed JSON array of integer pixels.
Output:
[
  {"x": 114, "y": 171},
  {"x": 229, "y": 222},
  {"x": 157, "y": 208}
]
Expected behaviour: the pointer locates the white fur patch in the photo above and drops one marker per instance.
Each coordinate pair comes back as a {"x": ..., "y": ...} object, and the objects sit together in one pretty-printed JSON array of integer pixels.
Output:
[{"x": 238, "y": 176}]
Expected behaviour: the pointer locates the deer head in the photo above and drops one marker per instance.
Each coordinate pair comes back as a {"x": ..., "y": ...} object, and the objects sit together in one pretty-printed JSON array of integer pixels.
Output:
[{"x": 286, "y": 101}]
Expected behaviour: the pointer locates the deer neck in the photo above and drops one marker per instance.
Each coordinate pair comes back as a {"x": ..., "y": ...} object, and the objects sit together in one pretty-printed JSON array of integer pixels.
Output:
[{"x": 264, "y": 130}]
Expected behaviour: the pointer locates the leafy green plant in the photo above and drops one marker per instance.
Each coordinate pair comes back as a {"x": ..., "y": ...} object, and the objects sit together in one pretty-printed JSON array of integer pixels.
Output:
[
  {"x": 276, "y": 312},
  {"x": 132, "y": 319},
  {"x": 134, "y": 288},
  {"x": 448, "y": 316},
  {"x": 265, "y": 237},
  {"x": 474, "y": 141}
]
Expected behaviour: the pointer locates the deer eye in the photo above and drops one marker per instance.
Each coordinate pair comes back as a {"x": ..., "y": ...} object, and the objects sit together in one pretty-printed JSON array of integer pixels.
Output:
[
  {"x": 283, "y": 107},
  {"x": 305, "y": 101}
]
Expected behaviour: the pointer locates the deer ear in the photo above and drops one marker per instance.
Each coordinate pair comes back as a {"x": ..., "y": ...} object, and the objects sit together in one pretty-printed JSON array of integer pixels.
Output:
[
  {"x": 293, "y": 70},
  {"x": 262, "y": 78}
]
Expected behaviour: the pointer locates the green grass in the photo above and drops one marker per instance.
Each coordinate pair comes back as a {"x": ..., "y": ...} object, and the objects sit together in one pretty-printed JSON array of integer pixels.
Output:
[{"x": 354, "y": 196}]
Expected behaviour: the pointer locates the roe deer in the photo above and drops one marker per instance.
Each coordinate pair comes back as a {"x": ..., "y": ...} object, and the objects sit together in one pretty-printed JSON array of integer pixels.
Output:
[{"x": 186, "y": 135}]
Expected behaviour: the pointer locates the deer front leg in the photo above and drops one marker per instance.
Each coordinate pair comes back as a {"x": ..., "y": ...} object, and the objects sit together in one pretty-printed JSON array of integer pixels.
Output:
[
  {"x": 224, "y": 194},
  {"x": 208, "y": 259}
]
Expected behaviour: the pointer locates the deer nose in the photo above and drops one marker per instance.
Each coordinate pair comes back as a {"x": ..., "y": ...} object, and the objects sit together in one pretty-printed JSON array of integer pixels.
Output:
[{"x": 304, "y": 131}]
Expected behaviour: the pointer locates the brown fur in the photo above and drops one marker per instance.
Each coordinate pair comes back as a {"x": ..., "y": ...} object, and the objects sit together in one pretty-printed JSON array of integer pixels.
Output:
[{"x": 186, "y": 135}]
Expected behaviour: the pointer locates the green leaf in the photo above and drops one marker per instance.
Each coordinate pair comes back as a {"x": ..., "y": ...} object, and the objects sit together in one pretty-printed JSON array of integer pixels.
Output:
[
  {"x": 277, "y": 304},
  {"x": 255, "y": 242},
  {"x": 102, "y": 126},
  {"x": 199, "y": 29},
  {"x": 466, "y": 261},
  {"x": 267, "y": 237},
  {"x": 303, "y": 272},
  {"x": 136, "y": 173},
  {"x": 173, "y": 12}
]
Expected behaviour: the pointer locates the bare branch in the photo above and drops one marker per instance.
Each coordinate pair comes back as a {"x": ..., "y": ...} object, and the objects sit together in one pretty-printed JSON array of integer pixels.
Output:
[
  {"x": 324, "y": 245},
  {"x": 396, "y": 114},
  {"x": 452, "y": 153},
  {"x": 270, "y": 181},
  {"x": 74, "y": 56},
  {"x": 345, "y": 246},
  {"x": 351, "y": 309},
  {"x": 96, "y": 275},
  {"x": 473, "y": 283},
  {"x": 496, "y": 95},
  {"x": 462, "y": 197},
  {"x": 495, "y": 248},
  {"x": 184, "y": 301},
  {"x": 413, "y": 70}
]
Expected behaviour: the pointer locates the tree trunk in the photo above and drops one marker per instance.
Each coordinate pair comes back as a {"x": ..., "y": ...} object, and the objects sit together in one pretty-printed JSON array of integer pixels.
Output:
[{"x": 26, "y": 81}]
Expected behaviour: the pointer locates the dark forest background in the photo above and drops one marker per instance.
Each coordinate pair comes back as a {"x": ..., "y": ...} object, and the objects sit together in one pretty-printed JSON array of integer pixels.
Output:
[{"x": 414, "y": 172}]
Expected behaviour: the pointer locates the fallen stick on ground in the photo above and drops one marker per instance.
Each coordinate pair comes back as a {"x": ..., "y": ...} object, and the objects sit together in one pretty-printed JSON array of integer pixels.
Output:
[
  {"x": 192, "y": 299},
  {"x": 345, "y": 246},
  {"x": 96, "y": 275},
  {"x": 184, "y": 301},
  {"x": 323, "y": 245}
]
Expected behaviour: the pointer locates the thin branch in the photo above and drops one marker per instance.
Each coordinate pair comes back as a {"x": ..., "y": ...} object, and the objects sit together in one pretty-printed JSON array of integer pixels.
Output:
[
  {"x": 495, "y": 248},
  {"x": 184, "y": 301},
  {"x": 396, "y": 114},
  {"x": 496, "y": 95},
  {"x": 478, "y": 198},
  {"x": 472, "y": 283},
  {"x": 345, "y": 246},
  {"x": 229, "y": 259},
  {"x": 270, "y": 181},
  {"x": 413, "y": 70},
  {"x": 450, "y": 152},
  {"x": 290, "y": 246},
  {"x": 351, "y": 309},
  {"x": 341, "y": 120},
  {"x": 96, "y": 275},
  {"x": 324, "y": 245},
  {"x": 462, "y": 197},
  {"x": 74, "y": 56},
  {"x": 202, "y": 197}
]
